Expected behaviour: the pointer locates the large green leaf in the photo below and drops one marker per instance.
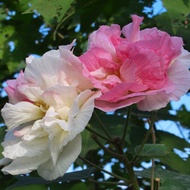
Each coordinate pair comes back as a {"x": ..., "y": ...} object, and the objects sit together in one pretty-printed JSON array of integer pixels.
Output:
[
  {"x": 174, "y": 5},
  {"x": 169, "y": 180},
  {"x": 72, "y": 176},
  {"x": 152, "y": 150},
  {"x": 52, "y": 11},
  {"x": 176, "y": 163},
  {"x": 171, "y": 140},
  {"x": 174, "y": 142}
]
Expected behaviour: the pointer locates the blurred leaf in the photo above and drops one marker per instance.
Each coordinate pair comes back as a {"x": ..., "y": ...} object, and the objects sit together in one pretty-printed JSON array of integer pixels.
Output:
[
  {"x": 31, "y": 187},
  {"x": 87, "y": 8},
  {"x": 171, "y": 184},
  {"x": 152, "y": 150},
  {"x": 114, "y": 123},
  {"x": 176, "y": 163},
  {"x": 50, "y": 10},
  {"x": 6, "y": 32},
  {"x": 176, "y": 142},
  {"x": 72, "y": 176},
  {"x": 169, "y": 180},
  {"x": 12, "y": 56},
  {"x": 183, "y": 116},
  {"x": 2, "y": 136},
  {"x": 177, "y": 19},
  {"x": 171, "y": 140},
  {"x": 78, "y": 186},
  {"x": 87, "y": 143},
  {"x": 174, "y": 5}
]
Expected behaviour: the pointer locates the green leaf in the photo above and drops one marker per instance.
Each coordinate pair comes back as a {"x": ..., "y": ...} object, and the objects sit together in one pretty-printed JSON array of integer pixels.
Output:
[
  {"x": 152, "y": 150},
  {"x": 72, "y": 176},
  {"x": 171, "y": 140},
  {"x": 51, "y": 10},
  {"x": 78, "y": 186},
  {"x": 170, "y": 184},
  {"x": 169, "y": 180},
  {"x": 176, "y": 163},
  {"x": 2, "y": 136},
  {"x": 87, "y": 143},
  {"x": 171, "y": 5},
  {"x": 31, "y": 187}
]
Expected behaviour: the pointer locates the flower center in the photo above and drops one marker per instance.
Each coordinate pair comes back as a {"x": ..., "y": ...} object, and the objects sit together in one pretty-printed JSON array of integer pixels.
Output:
[{"x": 42, "y": 105}]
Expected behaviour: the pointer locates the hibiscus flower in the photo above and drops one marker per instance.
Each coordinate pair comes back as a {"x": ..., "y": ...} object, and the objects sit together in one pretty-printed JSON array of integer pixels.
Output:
[
  {"x": 50, "y": 103},
  {"x": 147, "y": 67}
]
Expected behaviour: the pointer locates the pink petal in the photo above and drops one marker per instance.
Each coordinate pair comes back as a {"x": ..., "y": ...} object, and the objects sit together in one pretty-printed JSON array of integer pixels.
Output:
[{"x": 132, "y": 30}]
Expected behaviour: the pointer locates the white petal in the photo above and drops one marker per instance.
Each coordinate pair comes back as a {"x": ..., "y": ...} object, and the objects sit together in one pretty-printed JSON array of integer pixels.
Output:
[
  {"x": 29, "y": 59},
  {"x": 60, "y": 95},
  {"x": 46, "y": 71},
  {"x": 31, "y": 92},
  {"x": 25, "y": 165},
  {"x": 26, "y": 148},
  {"x": 20, "y": 113},
  {"x": 37, "y": 130},
  {"x": 5, "y": 161},
  {"x": 52, "y": 118},
  {"x": 70, "y": 152},
  {"x": 81, "y": 111},
  {"x": 58, "y": 138}
]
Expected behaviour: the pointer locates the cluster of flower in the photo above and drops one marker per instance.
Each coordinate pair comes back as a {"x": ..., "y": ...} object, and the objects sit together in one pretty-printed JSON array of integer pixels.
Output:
[{"x": 52, "y": 101}]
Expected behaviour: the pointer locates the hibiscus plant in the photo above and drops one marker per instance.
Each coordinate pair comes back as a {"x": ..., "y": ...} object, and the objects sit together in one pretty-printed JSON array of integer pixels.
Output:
[{"x": 88, "y": 89}]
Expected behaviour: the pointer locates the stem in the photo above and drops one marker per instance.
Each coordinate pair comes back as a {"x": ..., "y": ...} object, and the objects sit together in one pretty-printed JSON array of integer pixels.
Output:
[
  {"x": 132, "y": 176},
  {"x": 102, "y": 125},
  {"x": 153, "y": 164},
  {"x": 109, "y": 183},
  {"x": 106, "y": 149},
  {"x": 98, "y": 134},
  {"x": 147, "y": 134},
  {"x": 126, "y": 124},
  {"x": 157, "y": 183},
  {"x": 101, "y": 169},
  {"x": 129, "y": 167},
  {"x": 62, "y": 20}
]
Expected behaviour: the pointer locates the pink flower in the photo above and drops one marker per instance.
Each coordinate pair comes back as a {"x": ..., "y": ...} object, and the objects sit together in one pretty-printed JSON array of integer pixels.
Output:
[
  {"x": 50, "y": 105},
  {"x": 147, "y": 67}
]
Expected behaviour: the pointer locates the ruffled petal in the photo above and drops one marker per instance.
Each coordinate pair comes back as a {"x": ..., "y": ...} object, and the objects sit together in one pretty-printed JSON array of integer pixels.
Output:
[
  {"x": 42, "y": 73},
  {"x": 177, "y": 86},
  {"x": 25, "y": 165},
  {"x": 132, "y": 30},
  {"x": 25, "y": 148},
  {"x": 107, "y": 37},
  {"x": 22, "y": 112},
  {"x": 154, "y": 102},
  {"x": 68, "y": 155}
]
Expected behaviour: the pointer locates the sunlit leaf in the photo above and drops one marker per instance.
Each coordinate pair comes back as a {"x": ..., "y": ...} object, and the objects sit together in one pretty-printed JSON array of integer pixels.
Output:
[
  {"x": 152, "y": 150},
  {"x": 51, "y": 10},
  {"x": 174, "y": 5}
]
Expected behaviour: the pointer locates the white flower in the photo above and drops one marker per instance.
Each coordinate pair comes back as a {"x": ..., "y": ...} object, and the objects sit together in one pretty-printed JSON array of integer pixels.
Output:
[{"x": 53, "y": 103}]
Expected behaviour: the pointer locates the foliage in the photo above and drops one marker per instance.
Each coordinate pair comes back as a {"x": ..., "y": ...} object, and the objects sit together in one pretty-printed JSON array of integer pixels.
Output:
[{"x": 34, "y": 27}]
